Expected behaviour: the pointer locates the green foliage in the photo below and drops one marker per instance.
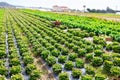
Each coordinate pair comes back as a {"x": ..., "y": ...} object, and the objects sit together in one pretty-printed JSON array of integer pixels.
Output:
[
  {"x": 14, "y": 62},
  {"x": 29, "y": 68},
  {"x": 72, "y": 56},
  {"x": 17, "y": 77},
  {"x": 89, "y": 57},
  {"x": 15, "y": 69},
  {"x": 98, "y": 52},
  {"x": 3, "y": 70},
  {"x": 2, "y": 54},
  {"x": 57, "y": 68},
  {"x": 106, "y": 57},
  {"x": 62, "y": 59},
  {"x": 115, "y": 71},
  {"x": 63, "y": 76},
  {"x": 2, "y": 77},
  {"x": 55, "y": 53},
  {"x": 90, "y": 70},
  {"x": 116, "y": 48},
  {"x": 116, "y": 61},
  {"x": 51, "y": 60},
  {"x": 64, "y": 51},
  {"x": 97, "y": 61},
  {"x": 81, "y": 52},
  {"x": 87, "y": 77},
  {"x": 45, "y": 54},
  {"x": 76, "y": 73},
  {"x": 28, "y": 60},
  {"x": 99, "y": 76},
  {"x": 107, "y": 65},
  {"x": 79, "y": 63},
  {"x": 69, "y": 65},
  {"x": 35, "y": 75}
]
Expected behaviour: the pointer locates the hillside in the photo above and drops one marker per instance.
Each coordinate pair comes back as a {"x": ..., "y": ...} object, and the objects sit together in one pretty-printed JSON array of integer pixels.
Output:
[{"x": 4, "y": 4}]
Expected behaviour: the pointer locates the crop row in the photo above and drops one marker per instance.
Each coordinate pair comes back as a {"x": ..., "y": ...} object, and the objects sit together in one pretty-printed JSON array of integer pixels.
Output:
[
  {"x": 64, "y": 52},
  {"x": 17, "y": 62},
  {"x": 89, "y": 24}
]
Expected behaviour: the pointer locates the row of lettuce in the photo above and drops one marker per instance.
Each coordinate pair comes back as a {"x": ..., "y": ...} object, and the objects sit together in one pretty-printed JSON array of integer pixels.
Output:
[
  {"x": 64, "y": 52},
  {"x": 16, "y": 61},
  {"x": 95, "y": 25}
]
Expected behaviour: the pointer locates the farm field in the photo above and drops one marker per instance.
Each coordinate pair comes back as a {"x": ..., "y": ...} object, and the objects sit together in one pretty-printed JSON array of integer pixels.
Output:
[
  {"x": 112, "y": 17},
  {"x": 81, "y": 48}
]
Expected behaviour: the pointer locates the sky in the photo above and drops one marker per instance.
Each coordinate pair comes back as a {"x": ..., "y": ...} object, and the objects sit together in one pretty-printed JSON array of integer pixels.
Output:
[{"x": 73, "y": 4}]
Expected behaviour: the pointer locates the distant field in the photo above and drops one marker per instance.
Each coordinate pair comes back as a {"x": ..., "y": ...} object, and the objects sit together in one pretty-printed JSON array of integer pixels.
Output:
[{"x": 115, "y": 17}]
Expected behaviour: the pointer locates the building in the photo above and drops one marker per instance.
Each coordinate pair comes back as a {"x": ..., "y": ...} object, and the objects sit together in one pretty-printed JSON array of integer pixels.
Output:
[{"x": 57, "y": 8}]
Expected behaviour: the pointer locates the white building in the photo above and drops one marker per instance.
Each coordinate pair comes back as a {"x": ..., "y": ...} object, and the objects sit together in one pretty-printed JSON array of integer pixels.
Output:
[{"x": 60, "y": 8}]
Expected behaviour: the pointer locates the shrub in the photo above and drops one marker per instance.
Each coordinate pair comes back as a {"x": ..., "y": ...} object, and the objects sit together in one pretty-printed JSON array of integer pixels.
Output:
[
  {"x": 81, "y": 52},
  {"x": 3, "y": 70},
  {"x": 76, "y": 73},
  {"x": 63, "y": 76},
  {"x": 107, "y": 65},
  {"x": 28, "y": 60},
  {"x": 79, "y": 63},
  {"x": 62, "y": 59},
  {"x": 17, "y": 77},
  {"x": 100, "y": 76},
  {"x": 116, "y": 61},
  {"x": 87, "y": 77},
  {"x": 73, "y": 56},
  {"x": 69, "y": 65},
  {"x": 89, "y": 57},
  {"x": 115, "y": 71},
  {"x": 35, "y": 75},
  {"x": 57, "y": 68},
  {"x": 98, "y": 52},
  {"x": 55, "y": 53},
  {"x": 45, "y": 54},
  {"x": 15, "y": 69},
  {"x": 51, "y": 60},
  {"x": 97, "y": 61},
  {"x": 90, "y": 70},
  {"x": 29, "y": 68}
]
